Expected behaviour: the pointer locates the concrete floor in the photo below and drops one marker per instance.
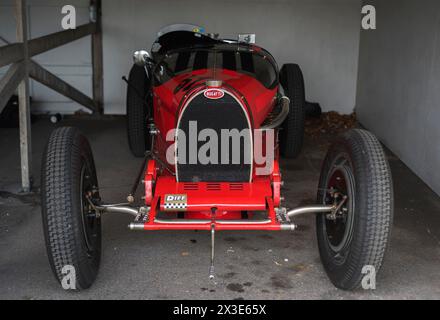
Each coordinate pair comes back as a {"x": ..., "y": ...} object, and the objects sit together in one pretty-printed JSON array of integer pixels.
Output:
[{"x": 174, "y": 265}]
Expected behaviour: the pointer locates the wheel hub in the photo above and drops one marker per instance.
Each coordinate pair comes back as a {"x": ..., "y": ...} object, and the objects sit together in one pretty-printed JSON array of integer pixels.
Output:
[
  {"x": 340, "y": 193},
  {"x": 88, "y": 213}
]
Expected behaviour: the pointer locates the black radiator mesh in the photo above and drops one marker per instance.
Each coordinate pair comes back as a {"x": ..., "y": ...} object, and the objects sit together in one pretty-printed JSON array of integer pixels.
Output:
[{"x": 225, "y": 113}]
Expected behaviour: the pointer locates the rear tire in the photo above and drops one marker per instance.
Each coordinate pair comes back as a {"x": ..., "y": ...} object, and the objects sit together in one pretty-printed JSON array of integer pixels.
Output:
[
  {"x": 355, "y": 166},
  {"x": 292, "y": 133},
  {"x": 72, "y": 229},
  {"x": 138, "y": 111}
]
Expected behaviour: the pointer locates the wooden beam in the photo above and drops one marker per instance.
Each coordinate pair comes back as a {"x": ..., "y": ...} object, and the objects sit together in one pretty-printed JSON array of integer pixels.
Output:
[
  {"x": 9, "y": 82},
  {"x": 14, "y": 52},
  {"x": 50, "y": 80},
  {"x": 45, "y": 77},
  {"x": 23, "y": 100},
  {"x": 11, "y": 53},
  {"x": 97, "y": 63},
  {"x": 54, "y": 40}
]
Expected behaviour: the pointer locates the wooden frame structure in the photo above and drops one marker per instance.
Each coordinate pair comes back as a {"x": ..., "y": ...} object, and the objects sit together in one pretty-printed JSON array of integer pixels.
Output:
[{"x": 18, "y": 56}]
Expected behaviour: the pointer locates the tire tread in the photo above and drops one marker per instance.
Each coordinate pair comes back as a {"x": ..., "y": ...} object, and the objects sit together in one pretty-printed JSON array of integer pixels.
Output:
[
  {"x": 61, "y": 222},
  {"x": 292, "y": 80},
  {"x": 374, "y": 211}
]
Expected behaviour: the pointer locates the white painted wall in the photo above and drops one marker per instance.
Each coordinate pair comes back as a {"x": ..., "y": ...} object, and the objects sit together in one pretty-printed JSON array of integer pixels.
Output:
[
  {"x": 321, "y": 35},
  {"x": 399, "y": 83},
  {"x": 71, "y": 62}
]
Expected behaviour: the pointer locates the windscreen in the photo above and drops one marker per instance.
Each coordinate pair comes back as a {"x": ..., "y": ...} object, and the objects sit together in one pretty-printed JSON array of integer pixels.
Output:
[{"x": 255, "y": 64}]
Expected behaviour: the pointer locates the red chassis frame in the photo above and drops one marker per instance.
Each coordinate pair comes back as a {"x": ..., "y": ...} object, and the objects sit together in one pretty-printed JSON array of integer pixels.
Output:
[{"x": 217, "y": 205}]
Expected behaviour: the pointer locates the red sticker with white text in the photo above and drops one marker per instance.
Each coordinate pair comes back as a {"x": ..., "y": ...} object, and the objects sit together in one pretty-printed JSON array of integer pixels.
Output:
[{"x": 214, "y": 94}]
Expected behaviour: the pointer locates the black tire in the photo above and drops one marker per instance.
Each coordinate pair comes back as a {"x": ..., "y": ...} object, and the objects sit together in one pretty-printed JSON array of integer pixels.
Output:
[
  {"x": 72, "y": 231},
  {"x": 356, "y": 166},
  {"x": 138, "y": 111},
  {"x": 292, "y": 133}
]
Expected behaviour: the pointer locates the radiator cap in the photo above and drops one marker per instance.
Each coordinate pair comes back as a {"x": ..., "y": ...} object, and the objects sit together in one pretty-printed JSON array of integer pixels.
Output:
[{"x": 214, "y": 83}]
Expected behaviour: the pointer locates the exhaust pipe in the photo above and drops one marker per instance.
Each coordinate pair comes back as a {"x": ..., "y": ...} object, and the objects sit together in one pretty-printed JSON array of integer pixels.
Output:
[{"x": 278, "y": 121}]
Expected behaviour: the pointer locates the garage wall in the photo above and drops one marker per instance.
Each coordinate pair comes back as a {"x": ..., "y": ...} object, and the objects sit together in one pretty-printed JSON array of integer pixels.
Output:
[
  {"x": 399, "y": 83},
  {"x": 321, "y": 35},
  {"x": 71, "y": 62}
]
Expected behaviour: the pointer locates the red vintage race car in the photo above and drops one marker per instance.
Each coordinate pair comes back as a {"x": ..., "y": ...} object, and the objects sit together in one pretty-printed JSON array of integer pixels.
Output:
[{"x": 211, "y": 117}]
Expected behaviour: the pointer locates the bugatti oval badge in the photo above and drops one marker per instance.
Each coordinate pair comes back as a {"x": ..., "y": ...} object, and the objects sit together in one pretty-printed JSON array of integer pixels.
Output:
[{"x": 214, "y": 94}]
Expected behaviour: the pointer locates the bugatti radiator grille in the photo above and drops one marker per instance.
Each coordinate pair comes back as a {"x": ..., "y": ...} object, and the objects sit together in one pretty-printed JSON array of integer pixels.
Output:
[{"x": 227, "y": 158}]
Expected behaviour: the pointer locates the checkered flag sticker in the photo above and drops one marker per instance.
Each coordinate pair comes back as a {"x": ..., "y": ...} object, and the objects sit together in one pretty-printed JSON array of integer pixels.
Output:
[{"x": 175, "y": 202}]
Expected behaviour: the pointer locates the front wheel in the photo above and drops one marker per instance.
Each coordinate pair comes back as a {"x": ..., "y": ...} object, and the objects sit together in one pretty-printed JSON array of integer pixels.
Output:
[
  {"x": 72, "y": 229},
  {"x": 352, "y": 242}
]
